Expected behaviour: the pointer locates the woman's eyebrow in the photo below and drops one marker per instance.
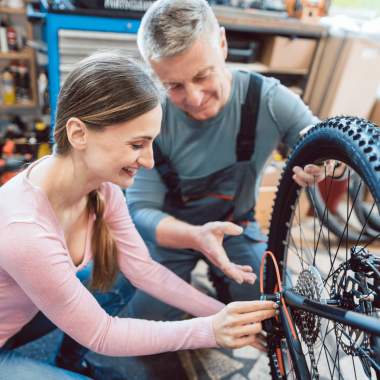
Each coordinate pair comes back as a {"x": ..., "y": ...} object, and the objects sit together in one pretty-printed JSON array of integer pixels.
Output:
[{"x": 143, "y": 137}]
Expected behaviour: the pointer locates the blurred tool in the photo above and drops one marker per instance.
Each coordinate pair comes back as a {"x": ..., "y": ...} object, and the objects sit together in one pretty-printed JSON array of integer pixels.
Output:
[
  {"x": 11, "y": 166},
  {"x": 42, "y": 136},
  {"x": 307, "y": 9}
]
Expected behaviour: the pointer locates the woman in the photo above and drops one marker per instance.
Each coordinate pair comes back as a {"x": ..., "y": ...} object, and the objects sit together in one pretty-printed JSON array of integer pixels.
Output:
[{"x": 66, "y": 213}]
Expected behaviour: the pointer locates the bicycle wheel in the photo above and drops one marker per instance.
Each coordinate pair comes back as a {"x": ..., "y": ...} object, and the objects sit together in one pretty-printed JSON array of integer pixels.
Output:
[{"x": 318, "y": 264}]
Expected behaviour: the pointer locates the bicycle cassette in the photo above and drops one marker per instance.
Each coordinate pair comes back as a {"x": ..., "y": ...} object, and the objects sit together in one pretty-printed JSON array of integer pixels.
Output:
[{"x": 310, "y": 285}]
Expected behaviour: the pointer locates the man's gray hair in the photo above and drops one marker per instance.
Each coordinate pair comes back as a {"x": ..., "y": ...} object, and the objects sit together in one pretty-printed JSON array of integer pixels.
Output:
[{"x": 170, "y": 27}]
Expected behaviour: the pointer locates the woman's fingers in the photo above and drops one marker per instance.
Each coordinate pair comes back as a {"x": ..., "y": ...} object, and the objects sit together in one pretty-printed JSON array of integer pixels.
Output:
[
  {"x": 242, "y": 342},
  {"x": 257, "y": 316},
  {"x": 262, "y": 338},
  {"x": 241, "y": 331},
  {"x": 259, "y": 346},
  {"x": 242, "y": 307}
]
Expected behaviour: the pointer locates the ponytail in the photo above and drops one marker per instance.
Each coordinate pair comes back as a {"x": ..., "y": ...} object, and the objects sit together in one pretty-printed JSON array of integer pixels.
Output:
[{"x": 104, "y": 251}]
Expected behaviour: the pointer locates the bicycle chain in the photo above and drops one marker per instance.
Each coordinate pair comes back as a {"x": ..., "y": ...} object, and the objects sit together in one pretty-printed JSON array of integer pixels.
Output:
[
  {"x": 308, "y": 324},
  {"x": 272, "y": 345}
]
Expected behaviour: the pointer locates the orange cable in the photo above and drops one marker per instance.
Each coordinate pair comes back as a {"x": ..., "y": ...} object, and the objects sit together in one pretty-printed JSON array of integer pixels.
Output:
[{"x": 279, "y": 287}]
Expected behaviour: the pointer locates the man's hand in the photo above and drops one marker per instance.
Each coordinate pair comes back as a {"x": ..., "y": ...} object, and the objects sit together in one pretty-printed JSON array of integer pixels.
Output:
[
  {"x": 312, "y": 174},
  {"x": 209, "y": 241}
]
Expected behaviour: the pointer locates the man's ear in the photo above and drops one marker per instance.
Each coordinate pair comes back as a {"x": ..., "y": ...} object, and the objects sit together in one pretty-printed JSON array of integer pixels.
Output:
[
  {"x": 223, "y": 42},
  {"x": 77, "y": 133}
]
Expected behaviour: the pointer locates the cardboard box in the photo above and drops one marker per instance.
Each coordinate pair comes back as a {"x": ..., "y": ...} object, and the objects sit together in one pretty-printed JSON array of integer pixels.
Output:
[
  {"x": 347, "y": 78},
  {"x": 375, "y": 114},
  {"x": 286, "y": 53},
  {"x": 318, "y": 88}
]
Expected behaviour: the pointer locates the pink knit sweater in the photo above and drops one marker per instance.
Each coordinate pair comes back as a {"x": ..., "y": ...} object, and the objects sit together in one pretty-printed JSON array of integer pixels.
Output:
[{"x": 37, "y": 273}]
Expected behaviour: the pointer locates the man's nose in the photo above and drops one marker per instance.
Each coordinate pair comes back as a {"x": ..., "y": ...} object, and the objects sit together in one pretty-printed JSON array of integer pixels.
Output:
[
  {"x": 193, "y": 95},
  {"x": 146, "y": 159}
]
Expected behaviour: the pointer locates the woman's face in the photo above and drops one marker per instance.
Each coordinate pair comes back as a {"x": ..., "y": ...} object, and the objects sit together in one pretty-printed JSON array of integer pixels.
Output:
[{"x": 115, "y": 154}]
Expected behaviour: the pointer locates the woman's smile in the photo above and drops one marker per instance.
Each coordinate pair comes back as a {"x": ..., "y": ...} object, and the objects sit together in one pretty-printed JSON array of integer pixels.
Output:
[{"x": 130, "y": 171}]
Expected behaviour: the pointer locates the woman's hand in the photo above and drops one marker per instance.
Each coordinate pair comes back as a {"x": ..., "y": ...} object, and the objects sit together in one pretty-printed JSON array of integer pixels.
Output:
[
  {"x": 238, "y": 323},
  {"x": 209, "y": 241}
]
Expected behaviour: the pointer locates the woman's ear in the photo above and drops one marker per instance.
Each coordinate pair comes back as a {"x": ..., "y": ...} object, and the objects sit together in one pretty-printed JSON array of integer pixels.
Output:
[{"x": 77, "y": 133}]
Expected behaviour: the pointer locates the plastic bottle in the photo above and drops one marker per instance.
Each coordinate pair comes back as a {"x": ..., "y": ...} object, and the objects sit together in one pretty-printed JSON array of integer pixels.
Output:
[
  {"x": 16, "y": 4},
  {"x": 8, "y": 88},
  {"x": 12, "y": 40},
  {"x": 16, "y": 79},
  {"x": 42, "y": 83},
  {"x": 1, "y": 88},
  {"x": 24, "y": 83},
  {"x": 3, "y": 37}
]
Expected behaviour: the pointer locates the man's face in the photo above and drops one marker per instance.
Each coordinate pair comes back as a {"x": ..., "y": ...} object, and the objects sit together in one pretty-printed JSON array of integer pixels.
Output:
[{"x": 198, "y": 81}]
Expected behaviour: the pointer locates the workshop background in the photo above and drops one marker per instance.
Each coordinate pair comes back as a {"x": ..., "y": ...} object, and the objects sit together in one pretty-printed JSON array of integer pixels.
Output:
[{"x": 327, "y": 52}]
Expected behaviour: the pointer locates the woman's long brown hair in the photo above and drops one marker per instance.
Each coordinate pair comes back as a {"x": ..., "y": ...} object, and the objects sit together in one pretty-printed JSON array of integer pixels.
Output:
[{"x": 106, "y": 88}]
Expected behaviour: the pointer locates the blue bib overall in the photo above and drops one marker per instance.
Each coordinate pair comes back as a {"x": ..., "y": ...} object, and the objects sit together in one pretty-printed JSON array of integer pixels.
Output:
[{"x": 219, "y": 196}]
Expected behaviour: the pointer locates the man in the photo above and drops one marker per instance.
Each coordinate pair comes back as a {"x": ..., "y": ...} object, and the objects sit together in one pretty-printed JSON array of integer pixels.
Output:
[{"x": 219, "y": 130}]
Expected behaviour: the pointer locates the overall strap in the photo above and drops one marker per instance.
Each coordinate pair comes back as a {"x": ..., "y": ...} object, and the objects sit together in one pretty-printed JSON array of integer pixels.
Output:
[
  {"x": 165, "y": 169},
  {"x": 245, "y": 143}
]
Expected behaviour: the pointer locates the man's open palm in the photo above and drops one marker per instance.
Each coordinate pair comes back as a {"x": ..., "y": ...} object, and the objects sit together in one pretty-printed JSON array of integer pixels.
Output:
[{"x": 210, "y": 243}]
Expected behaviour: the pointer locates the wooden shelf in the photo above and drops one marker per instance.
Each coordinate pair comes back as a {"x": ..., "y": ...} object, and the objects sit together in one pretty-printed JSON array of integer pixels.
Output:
[
  {"x": 265, "y": 22},
  {"x": 261, "y": 68},
  {"x": 19, "y": 105},
  {"x": 12, "y": 10},
  {"x": 26, "y": 54}
]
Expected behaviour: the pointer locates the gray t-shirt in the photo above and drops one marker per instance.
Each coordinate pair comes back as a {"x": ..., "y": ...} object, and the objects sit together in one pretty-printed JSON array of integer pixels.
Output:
[{"x": 199, "y": 148}]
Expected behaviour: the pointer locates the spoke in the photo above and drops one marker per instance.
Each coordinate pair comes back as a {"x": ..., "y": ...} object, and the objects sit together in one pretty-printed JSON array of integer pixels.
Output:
[
  {"x": 363, "y": 365},
  {"x": 315, "y": 252},
  {"x": 291, "y": 248},
  {"x": 320, "y": 230},
  {"x": 295, "y": 246},
  {"x": 323, "y": 341},
  {"x": 332, "y": 274},
  {"x": 365, "y": 224},
  {"x": 333, "y": 361},
  {"x": 327, "y": 208},
  {"x": 353, "y": 364},
  {"x": 299, "y": 216},
  {"x": 327, "y": 359},
  {"x": 303, "y": 234},
  {"x": 323, "y": 217},
  {"x": 336, "y": 355},
  {"x": 348, "y": 206},
  {"x": 346, "y": 226},
  {"x": 372, "y": 240}
]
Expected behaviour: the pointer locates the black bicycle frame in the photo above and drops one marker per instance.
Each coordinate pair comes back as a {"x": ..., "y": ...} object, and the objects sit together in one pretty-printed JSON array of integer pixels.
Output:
[{"x": 348, "y": 318}]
